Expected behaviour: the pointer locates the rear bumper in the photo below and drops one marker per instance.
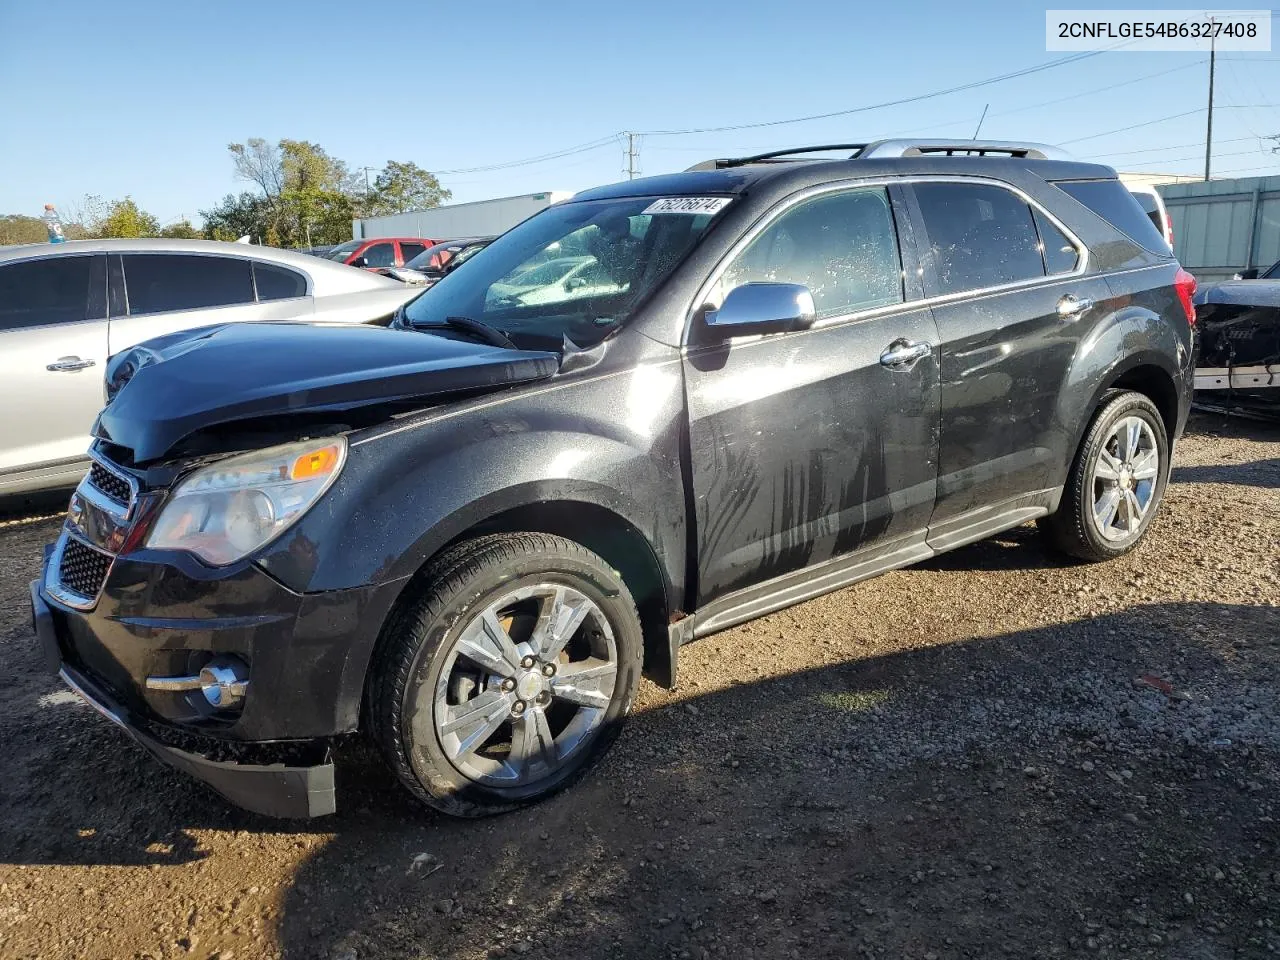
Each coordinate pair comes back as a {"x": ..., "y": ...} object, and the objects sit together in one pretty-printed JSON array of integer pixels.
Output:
[{"x": 275, "y": 790}]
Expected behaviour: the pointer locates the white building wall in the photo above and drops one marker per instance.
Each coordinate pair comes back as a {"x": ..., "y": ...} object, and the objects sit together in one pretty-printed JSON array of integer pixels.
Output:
[{"x": 479, "y": 219}]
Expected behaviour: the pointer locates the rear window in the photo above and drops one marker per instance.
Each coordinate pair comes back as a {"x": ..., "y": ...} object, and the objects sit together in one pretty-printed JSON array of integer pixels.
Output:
[{"x": 1112, "y": 201}]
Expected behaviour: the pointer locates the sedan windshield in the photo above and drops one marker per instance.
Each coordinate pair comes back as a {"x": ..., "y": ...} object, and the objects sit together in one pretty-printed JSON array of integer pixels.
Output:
[
  {"x": 343, "y": 250},
  {"x": 576, "y": 269}
]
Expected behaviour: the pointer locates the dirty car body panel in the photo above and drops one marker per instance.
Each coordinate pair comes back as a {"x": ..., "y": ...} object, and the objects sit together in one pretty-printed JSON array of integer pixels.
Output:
[{"x": 724, "y": 476}]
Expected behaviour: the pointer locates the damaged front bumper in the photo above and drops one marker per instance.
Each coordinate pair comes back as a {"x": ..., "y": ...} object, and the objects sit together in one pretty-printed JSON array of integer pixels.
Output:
[{"x": 275, "y": 790}]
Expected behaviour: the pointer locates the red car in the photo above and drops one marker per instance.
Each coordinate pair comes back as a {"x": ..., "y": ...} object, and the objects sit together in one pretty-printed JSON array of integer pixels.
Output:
[{"x": 378, "y": 252}]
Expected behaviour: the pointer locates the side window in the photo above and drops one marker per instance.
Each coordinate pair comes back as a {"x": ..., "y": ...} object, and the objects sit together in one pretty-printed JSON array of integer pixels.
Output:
[
  {"x": 278, "y": 283},
  {"x": 410, "y": 250},
  {"x": 380, "y": 255},
  {"x": 1060, "y": 254},
  {"x": 842, "y": 246},
  {"x": 979, "y": 235},
  {"x": 36, "y": 293},
  {"x": 1113, "y": 202},
  {"x": 162, "y": 282}
]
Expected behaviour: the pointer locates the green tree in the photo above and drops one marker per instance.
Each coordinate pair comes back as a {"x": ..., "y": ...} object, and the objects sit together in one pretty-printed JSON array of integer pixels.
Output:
[
  {"x": 402, "y": 187},
  {"x": 182, "y": 230},
  {"x": 16, "y": 228},
  {"x": 305, "y": 197},
  {"x": 236, "y": 217},
  {"x": 123, "y": 218}
]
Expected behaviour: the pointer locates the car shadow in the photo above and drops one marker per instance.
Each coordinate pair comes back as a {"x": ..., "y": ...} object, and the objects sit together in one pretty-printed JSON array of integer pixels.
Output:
[
  {"x": 1252, "y": 473},
  {"x": 1077, "y": 776}
]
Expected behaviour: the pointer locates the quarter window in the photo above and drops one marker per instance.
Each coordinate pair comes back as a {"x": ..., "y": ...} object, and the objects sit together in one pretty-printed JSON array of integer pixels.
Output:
[
  {"x": 842, "y": 246},
  {"x": 979, "y": 235},
  {"x": 1060, "y": 254},
  {"x": 158, "y": 283},
  {"x": 39, "y": 292},
  {"x": 278, "y": 283}
]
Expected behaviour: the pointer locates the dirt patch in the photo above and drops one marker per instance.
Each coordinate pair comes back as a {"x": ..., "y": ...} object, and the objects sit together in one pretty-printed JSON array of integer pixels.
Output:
[{"x": 997, "y": 753}]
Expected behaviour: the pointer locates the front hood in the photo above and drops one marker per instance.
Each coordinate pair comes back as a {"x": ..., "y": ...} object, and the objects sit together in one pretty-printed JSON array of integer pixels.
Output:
[
  {"x": 1244, "y": 293},
  {"x": 169, "y": 388}
]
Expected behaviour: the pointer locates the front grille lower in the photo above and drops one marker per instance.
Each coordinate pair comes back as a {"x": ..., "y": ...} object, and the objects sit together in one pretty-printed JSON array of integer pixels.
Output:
[
  {"x": 82, "y": 569},
  {"x": 115, "y": 487}
]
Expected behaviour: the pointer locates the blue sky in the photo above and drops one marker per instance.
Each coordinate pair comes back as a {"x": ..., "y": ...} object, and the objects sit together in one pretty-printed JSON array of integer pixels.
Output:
[{"x": 142, "y": 98}]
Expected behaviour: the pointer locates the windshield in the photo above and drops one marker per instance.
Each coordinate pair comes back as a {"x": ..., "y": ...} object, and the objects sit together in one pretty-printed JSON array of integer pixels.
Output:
[
  {"x": 576, "y": 269},
  {"x": 343, "y": 250}
]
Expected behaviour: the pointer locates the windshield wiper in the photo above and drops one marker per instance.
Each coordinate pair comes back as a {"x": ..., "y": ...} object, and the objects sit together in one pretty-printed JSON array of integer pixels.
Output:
[{"x": 482, "y": 331}]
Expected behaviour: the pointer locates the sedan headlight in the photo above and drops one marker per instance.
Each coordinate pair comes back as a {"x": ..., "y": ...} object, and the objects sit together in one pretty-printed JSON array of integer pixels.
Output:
[{"x": 229, "y": 509}]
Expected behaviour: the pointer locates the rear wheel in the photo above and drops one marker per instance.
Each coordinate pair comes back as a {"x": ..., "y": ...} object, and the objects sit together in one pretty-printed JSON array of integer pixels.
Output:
[
  {"x": 1116, "y": 483},
  {"x": 507, "y": 674}
]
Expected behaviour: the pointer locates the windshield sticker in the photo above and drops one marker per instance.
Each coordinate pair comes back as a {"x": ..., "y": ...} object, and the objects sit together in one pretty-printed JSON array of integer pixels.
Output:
[{"x": 690, "y": 205}]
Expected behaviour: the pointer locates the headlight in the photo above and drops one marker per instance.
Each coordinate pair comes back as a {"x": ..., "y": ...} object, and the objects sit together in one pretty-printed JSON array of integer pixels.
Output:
[{"x": 229, "y": 509}]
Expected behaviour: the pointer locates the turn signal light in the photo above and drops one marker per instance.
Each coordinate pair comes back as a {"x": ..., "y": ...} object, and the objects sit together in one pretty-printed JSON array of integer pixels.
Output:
[{"x": 316, "y": 463}]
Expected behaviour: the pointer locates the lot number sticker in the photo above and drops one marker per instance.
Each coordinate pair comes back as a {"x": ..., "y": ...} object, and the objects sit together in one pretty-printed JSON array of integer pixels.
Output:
[{"x": 690, "y": 205}]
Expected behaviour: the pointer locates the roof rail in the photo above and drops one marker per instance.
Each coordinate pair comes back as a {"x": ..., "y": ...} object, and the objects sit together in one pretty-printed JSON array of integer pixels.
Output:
[
  {"x": 726, "y": 162},
  {"x": 888, "y": 149}
]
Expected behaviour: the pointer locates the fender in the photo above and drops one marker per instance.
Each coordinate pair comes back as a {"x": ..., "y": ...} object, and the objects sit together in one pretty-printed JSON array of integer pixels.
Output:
[{"x": 1132, "y": 336}]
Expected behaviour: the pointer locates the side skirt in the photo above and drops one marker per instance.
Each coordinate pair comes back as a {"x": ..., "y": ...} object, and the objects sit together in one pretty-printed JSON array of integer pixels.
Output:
[{"x": 839, "y": 572}]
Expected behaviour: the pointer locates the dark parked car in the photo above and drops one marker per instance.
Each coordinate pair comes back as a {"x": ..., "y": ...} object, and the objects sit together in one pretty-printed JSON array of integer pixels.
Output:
[
  {"x": 466, "y": 535},
  {"x": 1239, "y": 368}
]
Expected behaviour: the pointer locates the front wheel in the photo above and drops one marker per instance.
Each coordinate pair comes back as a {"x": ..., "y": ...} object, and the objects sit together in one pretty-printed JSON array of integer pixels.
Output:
[
  {"x": 506, "y": 674},
  {"x": 1116, "y": 482}
]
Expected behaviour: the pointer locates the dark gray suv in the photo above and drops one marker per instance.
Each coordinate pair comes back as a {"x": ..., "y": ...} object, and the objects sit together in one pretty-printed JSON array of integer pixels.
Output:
[{"x": 468, "y": 533}]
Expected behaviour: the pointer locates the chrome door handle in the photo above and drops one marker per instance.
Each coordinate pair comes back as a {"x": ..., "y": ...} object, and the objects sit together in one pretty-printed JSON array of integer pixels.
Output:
[
  {"x": 903, "y": 353},
  {"x": 1072, "y": 306},
  {"x": 69, "y": 363}
]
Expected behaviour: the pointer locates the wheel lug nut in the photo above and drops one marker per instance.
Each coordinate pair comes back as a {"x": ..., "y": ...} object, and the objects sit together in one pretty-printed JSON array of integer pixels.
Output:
[
  {"x": 518, "y": 707},
  {"x": 542, "y": 699},
  {"x": 527, "y": 662},
  {"x": 548, "y": 669},
  {"x": 508, "y": 685}
]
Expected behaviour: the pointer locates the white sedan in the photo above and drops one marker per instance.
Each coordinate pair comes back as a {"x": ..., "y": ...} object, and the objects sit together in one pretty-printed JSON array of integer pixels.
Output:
[{"x": 65, "y": 308}]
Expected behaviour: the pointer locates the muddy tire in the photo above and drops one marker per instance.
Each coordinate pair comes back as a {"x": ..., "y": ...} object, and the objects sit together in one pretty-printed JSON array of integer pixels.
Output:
[
  {"x": 1116, "y": 482},
  {"x": 504, "y": 673}
]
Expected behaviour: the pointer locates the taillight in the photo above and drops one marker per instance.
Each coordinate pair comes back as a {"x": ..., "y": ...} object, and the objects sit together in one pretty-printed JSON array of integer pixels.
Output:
[{"x": 1185, "y": 284}]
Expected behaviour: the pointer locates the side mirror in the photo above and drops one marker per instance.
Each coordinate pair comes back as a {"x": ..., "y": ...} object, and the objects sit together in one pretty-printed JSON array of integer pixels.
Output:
[
  {"x": 755, "y": 308},
  {"x": 575, "y": 283},
  {"x": 359, "y": 262},
  {"x": 1250, "y": 274}
]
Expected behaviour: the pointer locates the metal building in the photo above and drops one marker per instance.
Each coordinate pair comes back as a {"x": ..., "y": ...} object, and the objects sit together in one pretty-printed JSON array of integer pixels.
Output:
[
  {"x": 1221, "y": 227},
  {"x": 482, "y": 218}
]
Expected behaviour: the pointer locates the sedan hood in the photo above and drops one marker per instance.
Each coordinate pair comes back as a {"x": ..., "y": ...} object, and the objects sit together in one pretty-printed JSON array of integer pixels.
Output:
[
  {"x": 169, "y": 388},
  {"x": 1244, "y": 293}
]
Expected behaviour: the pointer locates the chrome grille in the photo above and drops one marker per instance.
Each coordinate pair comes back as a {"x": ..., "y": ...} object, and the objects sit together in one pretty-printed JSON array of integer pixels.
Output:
[
  {"x": 113, "y": 486},
  {"x": 82, "y": 569}
]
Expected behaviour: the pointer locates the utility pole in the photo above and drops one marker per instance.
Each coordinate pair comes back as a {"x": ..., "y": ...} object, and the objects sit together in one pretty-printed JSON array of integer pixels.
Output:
[
  {"x": 633, "y": 155},
  {"x": 1208, "y": 133}
]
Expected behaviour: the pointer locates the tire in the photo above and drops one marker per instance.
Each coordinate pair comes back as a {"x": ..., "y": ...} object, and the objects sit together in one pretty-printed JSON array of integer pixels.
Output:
[
  {"x": 1080, "y": 528},
  {"x": 475, "y": 725}
]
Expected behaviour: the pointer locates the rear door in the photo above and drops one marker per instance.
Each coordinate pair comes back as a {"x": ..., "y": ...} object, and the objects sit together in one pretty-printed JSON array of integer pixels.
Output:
[
  {"x": 806, "y": 446},
  {"x": 382, "y": 254},
  {"x": 53, "y": 348},
  {"x": 1013, "y": 306}
]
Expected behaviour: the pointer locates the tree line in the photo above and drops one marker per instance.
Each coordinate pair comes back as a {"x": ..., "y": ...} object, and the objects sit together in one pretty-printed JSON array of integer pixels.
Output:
[{"x": 299, "y": 196}]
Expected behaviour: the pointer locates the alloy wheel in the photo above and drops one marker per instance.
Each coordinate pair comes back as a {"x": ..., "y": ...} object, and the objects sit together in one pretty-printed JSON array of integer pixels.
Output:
[
  {"x": 526, "y": 685},
  {"x": 1125, "y": 475}
]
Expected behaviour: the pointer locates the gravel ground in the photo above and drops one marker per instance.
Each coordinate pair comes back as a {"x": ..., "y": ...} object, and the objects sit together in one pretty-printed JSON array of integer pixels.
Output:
[{"x": 994, "y": 754}]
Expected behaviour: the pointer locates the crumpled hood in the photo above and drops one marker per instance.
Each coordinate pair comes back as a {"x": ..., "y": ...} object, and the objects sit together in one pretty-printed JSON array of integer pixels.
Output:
[
  {"x": 171, "y": 387},
  {"x": 1244, "y": 293}
]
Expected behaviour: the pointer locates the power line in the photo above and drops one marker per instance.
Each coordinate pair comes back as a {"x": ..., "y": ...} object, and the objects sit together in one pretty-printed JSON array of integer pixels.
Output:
[
  {"x": 1133, "y": 126},
  {"x": 1173, "y": 146},
  {"x": 554, "y": 155},
  {"x": 959, "y": 88}
]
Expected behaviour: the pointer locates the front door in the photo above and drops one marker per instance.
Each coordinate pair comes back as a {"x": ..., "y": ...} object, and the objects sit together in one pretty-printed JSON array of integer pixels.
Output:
[
  {"x": 807, "y": 445},
  {"x": 1008, "y": 340},
  {"x": 53, "y": 341}
]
